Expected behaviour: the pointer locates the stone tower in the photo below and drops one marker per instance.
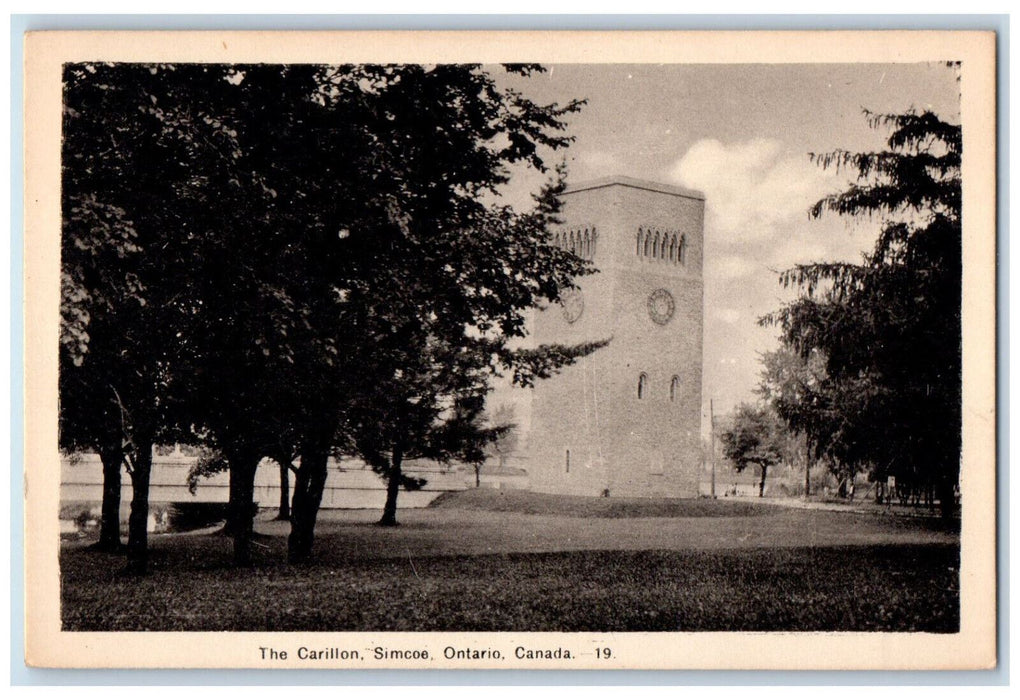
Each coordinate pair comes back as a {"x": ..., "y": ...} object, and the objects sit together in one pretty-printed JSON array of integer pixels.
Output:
[{"x": 625, "y": 421}]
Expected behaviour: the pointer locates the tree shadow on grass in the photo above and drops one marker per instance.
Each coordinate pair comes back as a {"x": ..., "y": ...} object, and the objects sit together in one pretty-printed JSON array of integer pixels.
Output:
[{"x": 848, "y": 588}]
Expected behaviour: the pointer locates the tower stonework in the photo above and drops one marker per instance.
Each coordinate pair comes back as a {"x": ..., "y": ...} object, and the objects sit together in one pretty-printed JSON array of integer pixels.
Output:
[{"x": 626, "y": 420}]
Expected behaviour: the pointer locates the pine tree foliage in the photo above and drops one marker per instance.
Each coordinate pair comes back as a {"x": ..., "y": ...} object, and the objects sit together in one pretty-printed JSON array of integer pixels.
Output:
[{"x": 889, "y": 327}]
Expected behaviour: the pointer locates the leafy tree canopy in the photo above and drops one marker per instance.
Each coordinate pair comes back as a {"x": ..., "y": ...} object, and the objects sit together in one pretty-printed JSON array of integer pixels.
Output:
[
  {"x": 755, "y": 438},
  {"x": 889, "y": 327},
  {"x": 251, "y": 250}
]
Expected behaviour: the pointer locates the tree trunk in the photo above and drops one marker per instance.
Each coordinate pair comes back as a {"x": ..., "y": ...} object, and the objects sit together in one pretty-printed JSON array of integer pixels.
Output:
[
  {"x": 109, "y": 529},
  {"x": 138, "y": 520},
  {"x": 284, "y": 513},
  {"x": 309, "y": 484},
  {"x": 478, "y": 475},
  {"x": 389, "y": 517},
  {"x": 241, "y": 509},
  {"x": 761, "y": 485}
]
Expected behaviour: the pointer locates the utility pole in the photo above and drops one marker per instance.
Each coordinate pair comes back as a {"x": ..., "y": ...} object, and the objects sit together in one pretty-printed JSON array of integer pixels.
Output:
[
  {"x": 711, "y": 430},
  {"x": 807, "y": 468}
]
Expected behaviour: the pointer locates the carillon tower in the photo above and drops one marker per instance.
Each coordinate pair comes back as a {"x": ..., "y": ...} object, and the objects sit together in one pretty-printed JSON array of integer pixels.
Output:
[{"x": 626, "y": 420}]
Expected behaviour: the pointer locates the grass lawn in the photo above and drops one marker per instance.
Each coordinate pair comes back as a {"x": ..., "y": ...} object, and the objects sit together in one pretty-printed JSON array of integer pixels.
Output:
[
  {"x": 518, "y": 567},
  {"x": 494, "y": 500}
]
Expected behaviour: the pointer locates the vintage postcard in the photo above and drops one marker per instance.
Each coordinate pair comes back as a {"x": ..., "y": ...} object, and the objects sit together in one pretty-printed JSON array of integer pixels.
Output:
[{"x": 504, "y": 350}]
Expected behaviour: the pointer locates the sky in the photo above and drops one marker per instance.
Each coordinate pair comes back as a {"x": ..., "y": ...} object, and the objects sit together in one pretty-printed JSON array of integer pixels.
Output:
[{"x": 742, "y": 135}]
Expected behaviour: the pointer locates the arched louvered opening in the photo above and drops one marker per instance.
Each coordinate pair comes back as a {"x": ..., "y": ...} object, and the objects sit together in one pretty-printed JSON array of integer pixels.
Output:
[
  {"x": 642, "y": 386},
  {"x": 674, "y": 388}
]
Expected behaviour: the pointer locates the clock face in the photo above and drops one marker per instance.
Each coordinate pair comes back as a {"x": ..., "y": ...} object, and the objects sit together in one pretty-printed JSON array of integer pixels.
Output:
[
  {"x": 573, "y": 305},
  {"x": 661, "y": 306}
]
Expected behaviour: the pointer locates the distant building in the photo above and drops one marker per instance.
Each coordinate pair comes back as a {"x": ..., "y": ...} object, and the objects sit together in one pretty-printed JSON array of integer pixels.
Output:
[{"x": 625, "y": 421}]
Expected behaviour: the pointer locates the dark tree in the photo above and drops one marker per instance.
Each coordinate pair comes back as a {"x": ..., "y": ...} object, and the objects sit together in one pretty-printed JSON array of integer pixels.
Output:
[
  {"x": 437, "y": 275},
  {"x": 756, "y": 438},
  {"x": 98, "y": 430},
  {"x": 285, "y": 462},
  {"x": 98, "y": 251},
  {"x": 890, "y": 326},
  {"x": 262, "y": 230},
  {"x": 136, "y": 160}
]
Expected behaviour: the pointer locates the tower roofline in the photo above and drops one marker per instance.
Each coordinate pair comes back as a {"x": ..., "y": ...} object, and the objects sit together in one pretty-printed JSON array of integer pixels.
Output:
[{"x": 624, "y": 181}]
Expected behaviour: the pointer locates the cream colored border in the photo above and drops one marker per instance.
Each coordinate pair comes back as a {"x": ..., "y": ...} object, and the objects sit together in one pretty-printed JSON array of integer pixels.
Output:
[{"x": 973, "y": 647}]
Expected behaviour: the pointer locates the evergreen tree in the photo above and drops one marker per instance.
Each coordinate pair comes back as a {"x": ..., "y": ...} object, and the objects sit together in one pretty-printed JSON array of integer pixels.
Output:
[{"x": 890, "y": 326}]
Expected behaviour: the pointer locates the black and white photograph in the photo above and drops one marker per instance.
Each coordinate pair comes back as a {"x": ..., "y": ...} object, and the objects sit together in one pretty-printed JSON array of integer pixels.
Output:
[{"x": 508, "y": 351}]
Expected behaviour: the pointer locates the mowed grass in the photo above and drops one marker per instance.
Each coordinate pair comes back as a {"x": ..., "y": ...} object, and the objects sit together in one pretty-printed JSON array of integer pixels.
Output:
[
  {"x": 468, "y": 569},
  {"x": 512, "y": 501}
]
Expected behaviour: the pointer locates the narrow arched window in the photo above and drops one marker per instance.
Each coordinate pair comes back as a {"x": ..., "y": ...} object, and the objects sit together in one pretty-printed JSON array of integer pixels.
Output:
[
  {"x": 672, "y": 249},
  {"x": 655, "y": 246},
  {"x": 674, "y": 388},
  {"x": 648, "y": 244},
  {"x": 594, "y": 240},
  {"x": 587, "y": 244},
  {"x": 640, "y": 236},
  {"x": 568, "y": 461},
  {"x": 683, "y": 250},
  {"x": 642, "y": 385}
]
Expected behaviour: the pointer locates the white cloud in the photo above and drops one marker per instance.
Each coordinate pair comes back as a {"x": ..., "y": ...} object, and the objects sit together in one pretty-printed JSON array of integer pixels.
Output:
[
  {"x": 728, "y": 315},
  {"x": 753, "y": 189}
]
